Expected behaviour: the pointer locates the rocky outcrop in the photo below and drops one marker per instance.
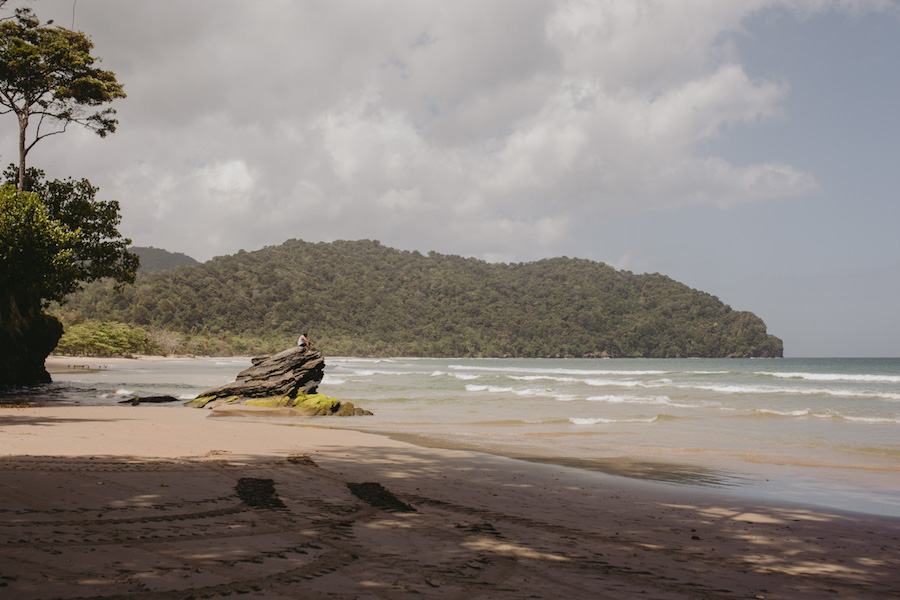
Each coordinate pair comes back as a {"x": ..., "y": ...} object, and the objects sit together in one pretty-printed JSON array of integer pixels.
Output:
[
  {"x": 293, "y": 371},
  {"x": 288, "y": 379},
  {"x": 27, "y": 336}
]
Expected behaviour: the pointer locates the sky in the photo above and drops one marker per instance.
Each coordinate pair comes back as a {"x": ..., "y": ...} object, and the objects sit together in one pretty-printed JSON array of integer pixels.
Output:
[{"x": 747, "y": 148}]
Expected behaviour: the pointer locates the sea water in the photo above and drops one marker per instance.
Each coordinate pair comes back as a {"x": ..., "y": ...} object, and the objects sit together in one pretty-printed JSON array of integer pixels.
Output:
[{"x": 817, "y": 431}]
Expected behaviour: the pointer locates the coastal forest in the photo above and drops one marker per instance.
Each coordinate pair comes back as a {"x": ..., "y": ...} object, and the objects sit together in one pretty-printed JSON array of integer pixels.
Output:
[{"x": 361, "y": 298}]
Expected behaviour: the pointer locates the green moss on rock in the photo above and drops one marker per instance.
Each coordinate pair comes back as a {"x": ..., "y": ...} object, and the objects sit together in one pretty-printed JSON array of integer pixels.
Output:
[{"x": 309, "y": 404}]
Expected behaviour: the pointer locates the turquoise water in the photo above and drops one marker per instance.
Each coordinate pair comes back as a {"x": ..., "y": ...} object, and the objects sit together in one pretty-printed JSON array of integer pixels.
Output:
[{"x": 817, "y": 431}]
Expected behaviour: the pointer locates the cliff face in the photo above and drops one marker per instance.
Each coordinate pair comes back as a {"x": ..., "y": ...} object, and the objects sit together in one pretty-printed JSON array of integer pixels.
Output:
[{"x": 27, "y": 337}]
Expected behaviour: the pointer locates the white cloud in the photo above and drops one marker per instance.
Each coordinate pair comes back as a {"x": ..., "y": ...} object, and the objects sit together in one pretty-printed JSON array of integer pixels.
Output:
[
  {"x": 472, "y": 127},
  {"x": 228, "y": 180}
]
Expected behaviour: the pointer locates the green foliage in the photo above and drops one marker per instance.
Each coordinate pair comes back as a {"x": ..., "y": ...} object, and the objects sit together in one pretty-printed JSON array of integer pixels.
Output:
[
  {"x": 36, "y": 251},
  {"x": 92, "y": 338},
  {"x": 87, "y": 228},
  {"x": 364, "y": 299},
  {"x": 98, "y": 250},
  {"x": 47, "y": 74}
]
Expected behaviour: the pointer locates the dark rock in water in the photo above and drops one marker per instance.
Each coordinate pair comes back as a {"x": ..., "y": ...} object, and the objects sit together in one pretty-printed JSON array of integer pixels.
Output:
[
  {"x": 149, "y": 400},
  {"x": 289, "y": 379},
  {"x": 288, "y": 373}
]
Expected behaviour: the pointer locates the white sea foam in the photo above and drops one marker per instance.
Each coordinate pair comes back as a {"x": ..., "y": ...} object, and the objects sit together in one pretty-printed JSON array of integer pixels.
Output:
[
  {"x": 509, "y": 369},
  {"x": 630, "y": 399},
  {"x": 659, "y": 400},
  {"x": 869, "y": 419},
  {"x": 602, "y": 421},
  {"x": 865, "y": 378},
  {"x": 125, "y": 393},
  {"x": 614, "y": 382},
  {"x": 763, "y": 389},
  {"x": 372, "y": 372},
  {"x": 460, "y": 376},
  {"x": 826, "y": 414},
  {"x": 495, "y": 389},
  {"x": 784, "y": 413},
  {"x": 564, "y": 397}
]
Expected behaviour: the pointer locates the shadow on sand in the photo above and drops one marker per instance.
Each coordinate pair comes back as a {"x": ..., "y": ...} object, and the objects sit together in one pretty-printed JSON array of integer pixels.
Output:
[{"x": 408, "y": 523}]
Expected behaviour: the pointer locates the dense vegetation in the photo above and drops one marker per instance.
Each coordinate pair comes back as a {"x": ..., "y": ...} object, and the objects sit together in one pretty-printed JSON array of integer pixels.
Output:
[
  {"x": 92, "y": 338},
  {"x": 364, "y": 299}
]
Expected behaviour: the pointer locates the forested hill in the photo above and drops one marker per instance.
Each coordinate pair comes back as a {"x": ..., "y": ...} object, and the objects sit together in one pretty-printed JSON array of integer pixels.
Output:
[
  {"x": 360, "y": 298},
  {"x": 155, "y": 259}
]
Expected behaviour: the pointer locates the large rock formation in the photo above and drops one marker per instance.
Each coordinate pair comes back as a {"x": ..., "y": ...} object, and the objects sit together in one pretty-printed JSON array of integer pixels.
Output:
[
  {"x": 27, "y": 336},
  {"x": 290, "y": 378},
  {"x": 284, "y": 374}
]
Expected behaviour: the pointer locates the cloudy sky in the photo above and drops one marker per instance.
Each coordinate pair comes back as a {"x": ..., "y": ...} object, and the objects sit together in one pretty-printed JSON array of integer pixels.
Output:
[{"x": 748, "y": 148}]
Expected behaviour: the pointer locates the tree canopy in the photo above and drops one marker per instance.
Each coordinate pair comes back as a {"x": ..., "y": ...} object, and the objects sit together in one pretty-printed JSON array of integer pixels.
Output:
[
  {"x": 48, "y": 80},
  {"x": 98, "y": 250},
  {"x": 35, "y": 250}
]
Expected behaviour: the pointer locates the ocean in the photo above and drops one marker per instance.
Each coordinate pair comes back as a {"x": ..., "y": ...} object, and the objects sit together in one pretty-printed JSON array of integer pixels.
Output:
[{"x": 822, "y": 432}]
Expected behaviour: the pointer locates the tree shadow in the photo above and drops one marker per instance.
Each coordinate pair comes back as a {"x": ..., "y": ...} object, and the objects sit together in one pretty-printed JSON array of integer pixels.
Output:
[
  {"x": 392, "y": 522},
  {"x": 8, "y": 417}
]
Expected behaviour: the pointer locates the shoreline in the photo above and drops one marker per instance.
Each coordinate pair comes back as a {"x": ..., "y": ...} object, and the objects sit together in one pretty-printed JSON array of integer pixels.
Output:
[
  {"x": 172, "y": 502},
  {"x": 833, "y": 486},
  {"x": 58, "y": 363}
]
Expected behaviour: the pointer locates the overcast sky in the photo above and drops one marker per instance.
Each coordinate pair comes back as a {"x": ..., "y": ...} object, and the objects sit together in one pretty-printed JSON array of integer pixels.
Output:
[{"x": 748, "y": 148}]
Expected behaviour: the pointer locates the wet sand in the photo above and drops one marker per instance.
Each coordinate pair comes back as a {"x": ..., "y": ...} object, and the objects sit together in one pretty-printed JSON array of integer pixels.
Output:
[{"x": 171, "y": 502}]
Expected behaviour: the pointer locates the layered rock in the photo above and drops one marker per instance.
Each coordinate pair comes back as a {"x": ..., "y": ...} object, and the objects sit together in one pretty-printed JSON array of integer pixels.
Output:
[{"x": 290, "y": 378}]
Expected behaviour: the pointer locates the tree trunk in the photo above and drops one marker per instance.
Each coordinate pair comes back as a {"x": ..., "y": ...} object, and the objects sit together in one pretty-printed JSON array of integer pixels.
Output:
[{"x": 23, "y": 131}]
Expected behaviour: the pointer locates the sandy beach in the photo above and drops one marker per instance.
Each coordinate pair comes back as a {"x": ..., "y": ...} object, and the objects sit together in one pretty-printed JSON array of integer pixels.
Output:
[{"x": 171, "y": 502}]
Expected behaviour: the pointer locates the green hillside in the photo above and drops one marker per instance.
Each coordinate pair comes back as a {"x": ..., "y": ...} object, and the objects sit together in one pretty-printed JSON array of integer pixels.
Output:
[{"x": 363, "y": 299}]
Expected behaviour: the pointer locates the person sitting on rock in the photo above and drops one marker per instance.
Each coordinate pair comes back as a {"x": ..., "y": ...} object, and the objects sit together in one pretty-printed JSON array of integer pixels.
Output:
[{"x": 304, "y": 342}]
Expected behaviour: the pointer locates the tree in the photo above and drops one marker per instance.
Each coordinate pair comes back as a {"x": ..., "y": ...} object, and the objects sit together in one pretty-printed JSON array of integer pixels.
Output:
[
  {"x": 48, "y": 246},
  {"x": 94, "y": 247},
  {"x": 48, "y": 79},
  {"x": 35, "y": 250},
  {"x": 99, "y": 249},
  {"x": 35, "y": 257}
]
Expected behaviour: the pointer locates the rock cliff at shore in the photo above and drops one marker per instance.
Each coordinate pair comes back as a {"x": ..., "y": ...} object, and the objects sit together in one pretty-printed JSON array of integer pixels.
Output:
[
  {"x": 27, "y": 336},
  {"x": 289, "y": 379}
]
